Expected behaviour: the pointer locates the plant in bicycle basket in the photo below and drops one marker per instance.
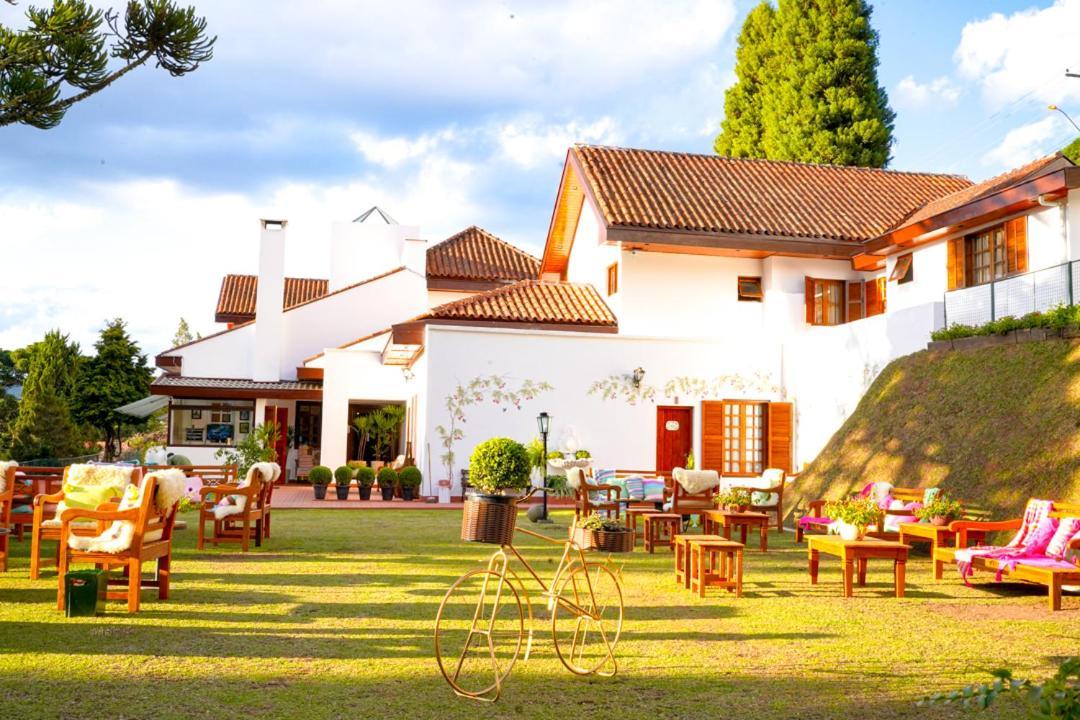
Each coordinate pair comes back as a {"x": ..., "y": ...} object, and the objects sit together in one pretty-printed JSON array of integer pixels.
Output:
[{"x": 499, "y": 464}]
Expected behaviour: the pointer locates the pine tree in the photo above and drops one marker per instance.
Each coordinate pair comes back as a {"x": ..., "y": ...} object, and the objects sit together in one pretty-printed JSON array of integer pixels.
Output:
[
  {"x": 183, "y": 334},
  {"x": 115, "y": 376},
  {"x": 820, "y": 100},
  {"x": 740, "y": 132},
  {"x": 43, "y": 427}
]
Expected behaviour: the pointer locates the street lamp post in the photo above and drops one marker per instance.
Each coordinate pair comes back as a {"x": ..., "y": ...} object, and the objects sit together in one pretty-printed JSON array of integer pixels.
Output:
[
  {"x": 543, "y": 423},
  {"x": 1052, "y": 108}
]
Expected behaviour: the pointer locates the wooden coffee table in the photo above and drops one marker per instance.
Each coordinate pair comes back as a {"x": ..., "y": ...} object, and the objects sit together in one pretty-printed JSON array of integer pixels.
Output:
[
  {"x": 937, "y": 536},
  {"x": 660, "y": 530},
  {"x": 722, "y": 521},
  {"x": 852, "y": 552},
  {"x": 682, "y": 556}
]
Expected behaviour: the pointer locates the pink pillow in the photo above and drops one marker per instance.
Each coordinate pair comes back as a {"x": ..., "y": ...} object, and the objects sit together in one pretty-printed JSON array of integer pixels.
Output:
[
  {"x": 1039, "y": 540},
  {"x": 1067, "y": 530}
]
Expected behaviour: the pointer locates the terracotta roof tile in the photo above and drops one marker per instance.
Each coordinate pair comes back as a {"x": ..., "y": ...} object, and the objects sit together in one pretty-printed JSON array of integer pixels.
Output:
[
  {"x": 532, "y": 301},
  {"x": 476, "y": 254},
  {"x": 236, "y": 300},
  {"x": 187, "y": 386},
  {"x": 709, "y": 193},
  {"x": 985, "y": 188}
]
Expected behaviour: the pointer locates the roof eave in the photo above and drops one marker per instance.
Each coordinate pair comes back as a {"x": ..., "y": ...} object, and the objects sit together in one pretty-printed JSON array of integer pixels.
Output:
[{"x": 771, "y": 244}]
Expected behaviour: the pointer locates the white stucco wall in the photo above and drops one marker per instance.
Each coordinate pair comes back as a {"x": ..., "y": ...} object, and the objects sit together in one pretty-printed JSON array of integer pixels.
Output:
[
  {"x": 590, "y": 259},
  {"x": 616, "y": 433},
  {"x": 227, "y": 355}
]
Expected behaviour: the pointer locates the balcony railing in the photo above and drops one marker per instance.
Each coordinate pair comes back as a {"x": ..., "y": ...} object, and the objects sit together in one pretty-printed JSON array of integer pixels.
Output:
[{"x": 1019, "y": 295}]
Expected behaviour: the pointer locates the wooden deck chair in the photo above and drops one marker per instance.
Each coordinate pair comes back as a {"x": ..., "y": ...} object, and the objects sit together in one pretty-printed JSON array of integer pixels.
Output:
[
  {"x": 242, "y": 522},
  {"x": 29, "y": 483},
  {"x": 590, "y": 497},
  {"x": 151, "y": 518},
  {"x": 46, "y": 526}
]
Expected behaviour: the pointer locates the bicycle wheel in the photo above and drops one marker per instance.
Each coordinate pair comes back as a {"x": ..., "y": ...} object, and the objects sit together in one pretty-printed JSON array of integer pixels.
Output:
[
  {"x": 478, "y": 633},
  {"x": 587, "y": 619}
]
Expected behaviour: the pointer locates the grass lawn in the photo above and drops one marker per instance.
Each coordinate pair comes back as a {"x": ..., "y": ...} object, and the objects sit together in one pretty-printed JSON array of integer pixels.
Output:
[{"x": 333, "y": 618}]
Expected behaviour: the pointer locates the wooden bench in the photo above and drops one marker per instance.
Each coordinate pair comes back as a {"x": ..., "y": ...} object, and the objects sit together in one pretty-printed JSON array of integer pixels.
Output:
[
  {"x": 6, "y": 496},
  {"x": 152, "y": 541},
  {"x": 1052, "y": 578},
  {"x": 209, "y": 474}
]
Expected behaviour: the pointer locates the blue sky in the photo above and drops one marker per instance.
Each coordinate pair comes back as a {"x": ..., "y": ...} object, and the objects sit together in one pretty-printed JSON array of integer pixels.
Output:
[{"x": 446, "y": 114}]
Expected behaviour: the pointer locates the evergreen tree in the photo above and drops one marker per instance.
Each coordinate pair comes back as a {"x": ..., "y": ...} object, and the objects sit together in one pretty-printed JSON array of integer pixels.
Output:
[
  {"x": 183, "y": 334},
  {"x": 814, "y": 72},
  {"x": 44, "y": 428},
  {"x": 116, "y": 375},
  {"x": 740, "y": 133}
]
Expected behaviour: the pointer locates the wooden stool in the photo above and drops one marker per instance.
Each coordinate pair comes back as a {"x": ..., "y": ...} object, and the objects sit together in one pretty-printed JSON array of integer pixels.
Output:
[
  {"x": 682, "y": 556},
  {"x": 632, "y": 515},
  {"x": 715, "y": 563},
  {"x": 660, "y": 528}
]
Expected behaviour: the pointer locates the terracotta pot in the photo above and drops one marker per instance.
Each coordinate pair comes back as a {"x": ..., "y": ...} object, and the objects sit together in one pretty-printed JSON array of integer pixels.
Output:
[{"x": 939, "y": 520}]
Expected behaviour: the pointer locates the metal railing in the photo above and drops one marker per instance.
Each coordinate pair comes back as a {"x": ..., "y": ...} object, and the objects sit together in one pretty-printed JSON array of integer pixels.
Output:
[{"x": 1019, "y": 295}]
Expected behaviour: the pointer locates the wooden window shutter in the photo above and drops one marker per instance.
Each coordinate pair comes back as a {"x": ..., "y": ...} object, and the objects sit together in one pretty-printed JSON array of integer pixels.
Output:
[
  {"x": 1016, "y": 245},
  {"x": 781, "y": 425},
  {"x": 956, "y": 259},
  {"x": 712, "y": 435},
  {"x": 809, "y": 300},
  {"x": 855, "y": 306},
  {"x": 875, "y": 296}
]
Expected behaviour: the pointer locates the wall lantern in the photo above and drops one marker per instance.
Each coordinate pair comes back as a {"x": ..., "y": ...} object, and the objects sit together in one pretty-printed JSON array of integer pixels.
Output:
[{"x": 637, "y": 377}]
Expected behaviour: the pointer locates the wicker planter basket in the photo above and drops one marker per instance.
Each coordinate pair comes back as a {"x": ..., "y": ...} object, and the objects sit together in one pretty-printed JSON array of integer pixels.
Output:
[
  {"x": 610, "y": 541},
  {"x": 488, "y": 519}
]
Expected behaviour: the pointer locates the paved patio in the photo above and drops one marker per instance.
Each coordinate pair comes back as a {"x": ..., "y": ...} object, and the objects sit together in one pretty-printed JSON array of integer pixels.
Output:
[{"x": 297, "y": 497}]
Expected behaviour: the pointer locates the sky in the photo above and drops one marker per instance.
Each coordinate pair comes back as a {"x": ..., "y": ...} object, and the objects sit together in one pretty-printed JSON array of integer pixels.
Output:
[{"x": 446, "y": 115}]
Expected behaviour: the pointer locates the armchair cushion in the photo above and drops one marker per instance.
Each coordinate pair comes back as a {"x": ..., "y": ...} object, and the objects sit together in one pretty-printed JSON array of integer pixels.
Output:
[
  {"x": 653, "y": 489},
  {"x": 696, "y": 481},
  {"x": 1068, "y": 529},
  {"x": 88, "y": 486},
  {"x": 635, "y": 487},
  {"x": 614, "y": 482}
]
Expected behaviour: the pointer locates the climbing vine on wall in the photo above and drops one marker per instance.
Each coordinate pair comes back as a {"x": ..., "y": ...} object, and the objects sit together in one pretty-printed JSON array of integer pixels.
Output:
[
  {"x": 491, "y": 388},
  {"x": 623, "y": 386},
  {"x": 695, "y": 387}
]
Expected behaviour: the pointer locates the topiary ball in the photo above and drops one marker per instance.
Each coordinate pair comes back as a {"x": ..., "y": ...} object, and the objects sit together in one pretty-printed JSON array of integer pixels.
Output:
[
  {"x": 388, "y": 477},
  {"x": 410, "y": 477},
  {"x": 320, "y": 475},
  {"x": 178, "y": 459},
  {"x": 499, "y": 464},
  {"x": 343, "y": 475},
  {"x": 365, "y": 476}
]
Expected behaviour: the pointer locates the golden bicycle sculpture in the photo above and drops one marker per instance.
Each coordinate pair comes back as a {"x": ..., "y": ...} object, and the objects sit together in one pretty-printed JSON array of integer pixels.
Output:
[{"x": 481, "y": 624}]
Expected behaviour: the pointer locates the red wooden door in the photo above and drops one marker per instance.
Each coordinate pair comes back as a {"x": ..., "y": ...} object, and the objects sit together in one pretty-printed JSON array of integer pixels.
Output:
[
  {"x": 280, "y": 417},
  {"x": 674, "y": 436}
]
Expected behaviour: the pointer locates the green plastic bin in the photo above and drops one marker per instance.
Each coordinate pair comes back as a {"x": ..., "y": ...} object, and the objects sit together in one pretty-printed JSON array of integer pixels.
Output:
[{"x": 84, "y": 593}]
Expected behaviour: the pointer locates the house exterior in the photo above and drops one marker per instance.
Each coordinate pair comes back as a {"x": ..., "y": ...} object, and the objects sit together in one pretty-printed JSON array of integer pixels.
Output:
[{"x": 735, "y": 309}]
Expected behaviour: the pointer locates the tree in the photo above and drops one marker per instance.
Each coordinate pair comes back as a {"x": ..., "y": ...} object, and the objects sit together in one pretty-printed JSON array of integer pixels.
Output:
[
  {"x": 61, "y": 58},
  {"x": 813, "y": 72},
  {"x": 740, "y": 133},
  {"x": 115, "y": 376},
  {"x": 183, "y": 334},
  {"x": 1072, "y": 150},
  {"x": 43, "y": 427}
]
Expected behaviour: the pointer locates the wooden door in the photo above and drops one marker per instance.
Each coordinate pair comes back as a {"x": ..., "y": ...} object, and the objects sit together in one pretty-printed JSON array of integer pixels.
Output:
[
  {"x": 674, "y": 437},
  {"x": 280, "y": 417}
]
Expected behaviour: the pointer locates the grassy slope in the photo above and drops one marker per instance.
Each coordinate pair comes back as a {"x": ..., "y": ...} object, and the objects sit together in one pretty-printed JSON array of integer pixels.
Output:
[
  {"x": 333, "y": 618},
  {"x": 992, "y": 426}
]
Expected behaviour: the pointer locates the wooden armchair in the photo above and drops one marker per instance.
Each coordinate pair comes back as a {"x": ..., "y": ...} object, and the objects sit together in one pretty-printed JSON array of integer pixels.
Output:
[
  {"x": 29, "y": 483},
  {"x": 152, "y": 541},
  {"x": 686, "y": 503},
  {"x": 592, "y": 498},
  {"x": 6, "y": 495},
  {"x": 44, "y": 526},
  {"x": 776, "y": 480},
  {"x": 239, "y": 527}
]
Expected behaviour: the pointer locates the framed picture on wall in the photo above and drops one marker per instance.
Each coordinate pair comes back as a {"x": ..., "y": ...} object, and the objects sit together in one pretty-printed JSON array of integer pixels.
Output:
[
  {"x": 245, "y": 428},
  {"x": 245, "y": 415},
  {"x": 193, "y": 435},
  {"x": 196, "y": 414}
]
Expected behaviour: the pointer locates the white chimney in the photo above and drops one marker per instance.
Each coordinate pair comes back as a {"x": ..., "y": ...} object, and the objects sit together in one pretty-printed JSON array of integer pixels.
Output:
[
  {"x": 269, "y": 301},
  {"x": 414, "y": 256},
  {"x": 372, "y": 244}
]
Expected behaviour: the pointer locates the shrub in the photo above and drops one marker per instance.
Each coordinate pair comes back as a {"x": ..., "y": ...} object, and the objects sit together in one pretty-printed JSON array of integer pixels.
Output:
[
  {"x": 499, "y": 464},
  {"x": 1056, "y": 318},
  {"x": 582, "y": 455},
  {"x": 388, "y": 477},
  {"x": 320, "y": 475},
  {"x": 343, "y": 475},
  {"x": 1063, "y": 316},
  {"x": 178, "y": 459},
  {"x": 555, "y": 455},
  {"x": 735, "y": 496},
  {"x": 410, "y": 477},
  {"x": 365, "y": 476},
  {"x": 601, "y": 522}
]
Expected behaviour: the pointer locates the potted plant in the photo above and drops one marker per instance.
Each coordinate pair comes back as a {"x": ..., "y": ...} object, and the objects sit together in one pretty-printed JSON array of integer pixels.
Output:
[
  {"x": 342, "y": 480},
  {"x": 734, "y": 499},
  {"x": 582, "y": 455},
  {"x": 605, "y": 534},
  {"x": 365, "y": 478},
  {"x": 388, "y": 478},
  {"x": 320, "y": 477},
  {"x": 409, "y": 478},
  {"x": 942, "y": 510},
  {"x": 497, "y": 466},
  {"x": 853, "y": 514}
]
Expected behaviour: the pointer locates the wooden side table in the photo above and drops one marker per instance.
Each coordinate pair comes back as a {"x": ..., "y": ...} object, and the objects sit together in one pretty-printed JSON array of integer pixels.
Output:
[
  {"x": 716, "y": 564},
  {"x": 682, "y": 556},
  {"x": 852, "y": 552},
  {"x": 632, "y": 515},
  {"x": 723, "y": 521},
  {"x": 660, "y": 530},
  {"x": 937, "y": 536}
]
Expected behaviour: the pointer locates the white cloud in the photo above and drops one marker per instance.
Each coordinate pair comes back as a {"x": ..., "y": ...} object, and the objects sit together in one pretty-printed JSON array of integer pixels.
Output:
[
  {"x": 1024, "y": 54},
  {"x": 392, "y": 152},
  {"x": 913, "y": 94},
  {"x": 528, "y": 141},
  {"x": 1025, "y": 143}
]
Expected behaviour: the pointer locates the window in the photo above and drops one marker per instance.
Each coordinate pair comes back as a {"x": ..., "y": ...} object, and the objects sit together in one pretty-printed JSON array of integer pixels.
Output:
[
  {"x": 825, "y": 301},
  {"x": 613, "y": 278},
  {"x": 903, "y": 271},
  {"x": 750, "y": 289},
  {"x": 210, "y": 423},
  {"x": 743, "y": 437},
  {"x": 990, "y": 254}
]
